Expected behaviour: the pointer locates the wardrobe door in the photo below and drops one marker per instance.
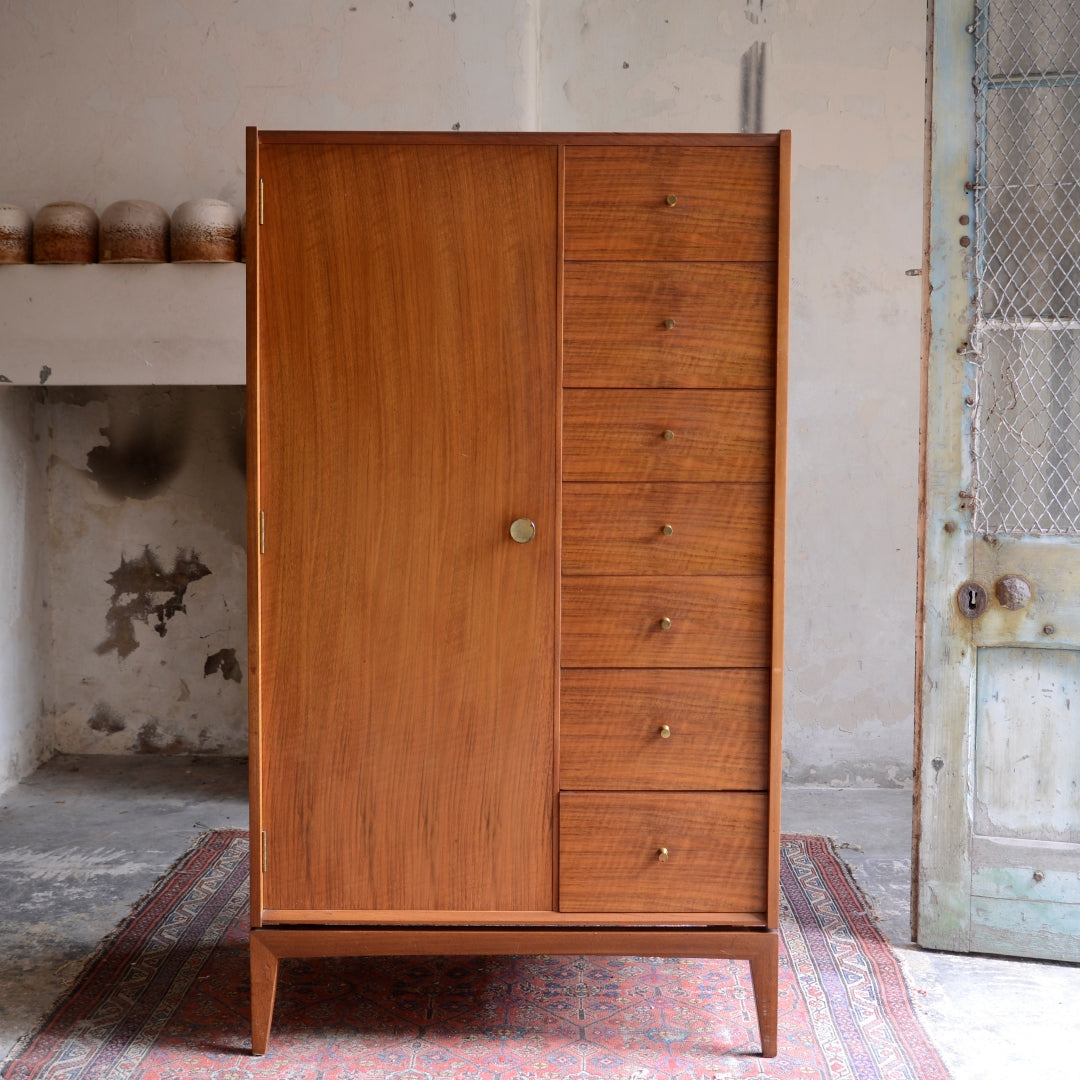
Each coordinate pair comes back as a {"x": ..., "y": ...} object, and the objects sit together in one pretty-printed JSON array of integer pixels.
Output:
[{"x": 407, "y": 406}]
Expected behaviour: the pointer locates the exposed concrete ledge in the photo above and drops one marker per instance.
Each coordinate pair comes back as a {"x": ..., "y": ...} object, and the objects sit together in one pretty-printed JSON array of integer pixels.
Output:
[{"x": 167, "y": 324}]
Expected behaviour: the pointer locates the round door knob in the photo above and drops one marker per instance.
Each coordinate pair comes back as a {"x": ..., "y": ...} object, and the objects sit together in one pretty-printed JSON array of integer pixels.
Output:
[
  {"x": 665, "y": 623},
  {"x": 671, "y": 200},
  {"x": 667, "y": 530},
  {"x": 665, "y": 731},
  {"x": 522, "y": 530},
  {"x": 662, "y": 854},
  {"x": 668, "y": 434},
  {"x": 669, "y": 324}
]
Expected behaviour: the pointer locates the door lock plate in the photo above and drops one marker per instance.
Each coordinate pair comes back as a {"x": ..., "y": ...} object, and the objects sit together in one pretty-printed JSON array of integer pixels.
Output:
[{"x": 971, "y": 599}]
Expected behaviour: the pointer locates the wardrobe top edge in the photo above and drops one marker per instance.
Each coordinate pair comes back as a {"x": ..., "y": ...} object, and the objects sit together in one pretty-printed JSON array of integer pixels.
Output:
[{"x": 526, "y": 138}]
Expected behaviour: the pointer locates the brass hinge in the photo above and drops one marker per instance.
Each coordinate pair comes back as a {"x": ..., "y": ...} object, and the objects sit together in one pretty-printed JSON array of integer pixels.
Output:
[
  {"x": 262, "y": 203},
  {"x": 265, "y": 856},
  {"x": 262, "y": 532}
]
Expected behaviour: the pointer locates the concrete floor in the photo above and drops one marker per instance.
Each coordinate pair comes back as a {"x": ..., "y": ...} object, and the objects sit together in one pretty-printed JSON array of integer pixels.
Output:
[{"x": 83, "y": 838}]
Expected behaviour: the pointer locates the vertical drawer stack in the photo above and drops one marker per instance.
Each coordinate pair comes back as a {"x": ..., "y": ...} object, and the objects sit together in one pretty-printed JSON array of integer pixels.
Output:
[{"x": 669, "y": 373}]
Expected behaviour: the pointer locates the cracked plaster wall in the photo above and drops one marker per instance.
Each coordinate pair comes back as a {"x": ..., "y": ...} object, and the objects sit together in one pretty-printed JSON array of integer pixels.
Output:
[
  {"x": 148, "y": 98},
  {"x": 148, "y": 569}
]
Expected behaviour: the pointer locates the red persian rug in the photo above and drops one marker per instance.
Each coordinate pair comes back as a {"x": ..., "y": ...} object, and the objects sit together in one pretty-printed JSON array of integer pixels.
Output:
[{"x": 166, "y": 998}]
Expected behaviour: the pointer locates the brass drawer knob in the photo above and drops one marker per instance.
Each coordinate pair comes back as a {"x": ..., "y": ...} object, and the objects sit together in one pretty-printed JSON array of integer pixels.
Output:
[
  {"x": 522, "y": 530},
  {"x": 668, "y": 434},
  {"x": 667, "y": 530},
  {"x": 665, "y": 623},
  {"x": 662, "y": 854},
  {"x": 669, "y": 324},
  {"x": 665, "y": 731},
  {"x": 671, "y": 200}
]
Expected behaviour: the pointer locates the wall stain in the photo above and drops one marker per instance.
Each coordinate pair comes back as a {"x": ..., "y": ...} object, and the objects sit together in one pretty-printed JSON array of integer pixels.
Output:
[
  {"x": 150, "y": 739},
  {"x": 224, "y": 661},
  {"x": 105, "y": 720},
  {"x": 752, "y": 88},
  {"x": 43, "y": 377},
  {"x": 142, "y": 589},
  {"x": 139, "y": 464}
]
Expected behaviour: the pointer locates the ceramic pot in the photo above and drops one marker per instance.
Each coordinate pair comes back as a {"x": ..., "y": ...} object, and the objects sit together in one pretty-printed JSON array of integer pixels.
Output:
[
  {"x": 134, "y": 231},
  {"x": 16, "y": 232},
  {"x": 205, "y": 230},
  {"x": 65, "y": 232}
]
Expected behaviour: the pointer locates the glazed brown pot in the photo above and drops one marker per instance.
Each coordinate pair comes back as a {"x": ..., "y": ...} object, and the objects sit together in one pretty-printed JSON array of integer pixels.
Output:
[
  {"x": 16, "y": 233},
  {"x": 205, "y": 230},
  {"x": 65, "y": 232},
  {"x": 134, "y": 231}
]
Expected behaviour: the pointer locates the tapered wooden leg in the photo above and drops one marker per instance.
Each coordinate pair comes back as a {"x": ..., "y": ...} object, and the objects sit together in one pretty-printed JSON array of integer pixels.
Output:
[
  {"x": 264, "y": 972},
  {"x": 761, "y": 948},
  {"x": 764, "y": 973}
]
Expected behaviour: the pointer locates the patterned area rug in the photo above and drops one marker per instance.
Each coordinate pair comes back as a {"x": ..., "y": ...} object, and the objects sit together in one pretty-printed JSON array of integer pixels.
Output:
[{"x": 166, "y": 998}]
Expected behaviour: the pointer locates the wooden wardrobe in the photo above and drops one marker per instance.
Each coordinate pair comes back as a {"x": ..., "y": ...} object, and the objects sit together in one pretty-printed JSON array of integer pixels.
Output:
[{"x": 516, "y": 410}]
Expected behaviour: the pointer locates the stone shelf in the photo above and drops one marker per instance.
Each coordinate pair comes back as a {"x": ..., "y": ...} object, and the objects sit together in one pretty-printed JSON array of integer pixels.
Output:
[{"x": 166, "y": 324}]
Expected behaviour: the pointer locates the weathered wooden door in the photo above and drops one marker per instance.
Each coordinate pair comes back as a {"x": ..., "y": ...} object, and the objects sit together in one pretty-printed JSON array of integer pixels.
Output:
[
  {"x": 407, "y": 417},
  {"x": 998, "y": 806}
]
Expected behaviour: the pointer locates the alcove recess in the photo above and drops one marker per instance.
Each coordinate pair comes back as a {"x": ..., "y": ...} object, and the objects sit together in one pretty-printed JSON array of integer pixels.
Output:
[{"x": 122, "y": 416}]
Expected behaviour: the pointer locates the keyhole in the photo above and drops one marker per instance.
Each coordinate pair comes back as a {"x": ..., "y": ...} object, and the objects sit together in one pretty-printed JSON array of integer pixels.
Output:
[{"x": 971, "y": 599}]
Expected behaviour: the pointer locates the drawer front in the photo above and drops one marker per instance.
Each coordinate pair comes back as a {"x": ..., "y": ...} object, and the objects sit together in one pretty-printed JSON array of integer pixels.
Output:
[
  {"x": 670, "y": 324},
  {"x": 694, "y": 435},
  {"x": 610, "y": 842},
  {"x": 667, "y": 529},
  {"x": 618, "y": 622},
  {"x": 726, "y": 203},
  {"x": 648, "y": 730}
]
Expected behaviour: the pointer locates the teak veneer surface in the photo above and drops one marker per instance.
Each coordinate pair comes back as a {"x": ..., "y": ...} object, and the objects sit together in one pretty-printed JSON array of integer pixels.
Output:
[
  {"x": 609, "y": 843},
  {"x": 725, "y": 209},
  {"x": 717, "y": 724},
  {"x": 718, "y": 435},
  {"x": 715, "y": 622},
  {"x": 407, "y": 744},
  {"x": 417, "y": 302},
  {"x": 724, "y": 332},
  {"x": 715, "y": 528}
]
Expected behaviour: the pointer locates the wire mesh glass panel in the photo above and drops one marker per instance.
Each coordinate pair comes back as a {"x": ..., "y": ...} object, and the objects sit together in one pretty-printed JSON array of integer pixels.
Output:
[
  {"x": 1026, "y": 337},
  {"x": 1028, "y": 424},
  {"x": 1024, "y": 37}
]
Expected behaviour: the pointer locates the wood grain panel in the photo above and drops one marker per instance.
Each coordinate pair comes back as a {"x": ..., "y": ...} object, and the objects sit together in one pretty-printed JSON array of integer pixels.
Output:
[
  {"x": 715, "y": 622},
  {"x": 407, "y": 415},
  {"x": 724, "y": 332},
  {"x": 715, "y": 529},
  {"x": 717, "y": 722},
  {"x": 609, "y": 841},
  {"x": 726, "y": 203},
  {"x": 618, "y": 435}
]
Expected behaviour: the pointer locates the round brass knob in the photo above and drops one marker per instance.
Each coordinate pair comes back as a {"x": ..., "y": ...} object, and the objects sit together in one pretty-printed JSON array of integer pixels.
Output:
[
  {"x": 665, "y": 623},
  {"x": 662, "y": 854},
  {"x": 667, "y": 530},
  {"x": 672, "y": 200},
  {"x": 668, "y": 434},
  {"x": 669, "y": 324},
  {"x": 522, "y": 530},
  {"x": 665, "y": 731}
]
